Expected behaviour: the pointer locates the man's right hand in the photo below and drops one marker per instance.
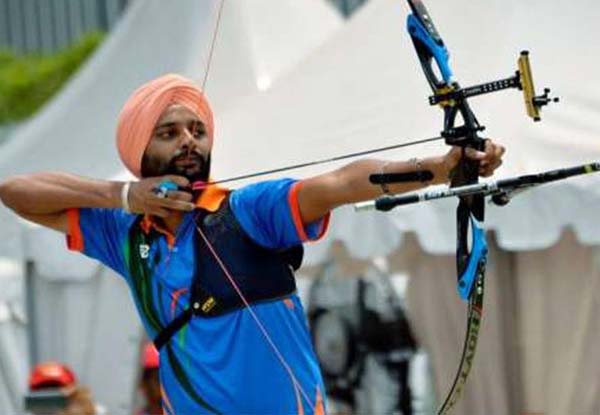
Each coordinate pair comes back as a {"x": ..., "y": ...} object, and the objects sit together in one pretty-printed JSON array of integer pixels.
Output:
[
  {"x": 144, "y": 199},
  {"x": 44, "y": 198}
]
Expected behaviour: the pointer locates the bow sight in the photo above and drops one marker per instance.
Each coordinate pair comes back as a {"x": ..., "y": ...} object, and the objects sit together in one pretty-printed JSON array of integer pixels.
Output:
[
  {"x": 522, "y": 80},
  {"x": 448, "y": 94}
]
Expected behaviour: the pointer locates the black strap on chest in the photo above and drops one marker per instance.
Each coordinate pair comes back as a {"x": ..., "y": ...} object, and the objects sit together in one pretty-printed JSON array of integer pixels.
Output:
[
  {"x": 274, "y": 266},
  {"x": 202, "y": 303}
]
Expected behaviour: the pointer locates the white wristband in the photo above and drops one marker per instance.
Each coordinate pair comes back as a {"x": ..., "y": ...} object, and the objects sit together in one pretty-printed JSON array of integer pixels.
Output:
[{"x": 125, "y": 197}]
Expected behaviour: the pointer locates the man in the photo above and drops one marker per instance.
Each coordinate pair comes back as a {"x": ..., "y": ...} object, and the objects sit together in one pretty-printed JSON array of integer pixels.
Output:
[
  {"x": 150, "y": 383},
  {"x": 54, "y": 390},
  {"x": 210, "y": 270}
]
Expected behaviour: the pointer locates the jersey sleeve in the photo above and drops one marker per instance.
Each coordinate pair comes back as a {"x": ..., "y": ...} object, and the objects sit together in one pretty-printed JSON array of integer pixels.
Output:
[
  {"x": 100, "y": 234},
  {"x": 269, "y": 213}
]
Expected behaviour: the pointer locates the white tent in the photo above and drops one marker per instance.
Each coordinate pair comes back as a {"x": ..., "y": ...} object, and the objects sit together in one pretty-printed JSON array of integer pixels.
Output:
[
  {"x": 13, "y": 335},
  {"x": 82, "y": 316},
  {"x": 364, "y": 88}
]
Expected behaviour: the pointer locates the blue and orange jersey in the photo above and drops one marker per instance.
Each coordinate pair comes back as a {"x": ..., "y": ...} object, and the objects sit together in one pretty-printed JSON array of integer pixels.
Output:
[{"x": 224, "y": 364}]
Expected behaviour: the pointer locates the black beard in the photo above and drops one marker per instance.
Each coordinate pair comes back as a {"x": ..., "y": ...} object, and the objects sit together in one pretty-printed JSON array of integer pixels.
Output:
[{"x": 153, "y": 167}]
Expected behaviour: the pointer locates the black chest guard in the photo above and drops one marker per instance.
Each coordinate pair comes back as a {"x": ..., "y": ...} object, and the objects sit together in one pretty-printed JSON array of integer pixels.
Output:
[{"x": 261, "y": 274}]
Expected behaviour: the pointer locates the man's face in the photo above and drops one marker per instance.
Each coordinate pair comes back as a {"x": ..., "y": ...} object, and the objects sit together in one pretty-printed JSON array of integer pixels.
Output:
[{"x": 179, "y": 146}]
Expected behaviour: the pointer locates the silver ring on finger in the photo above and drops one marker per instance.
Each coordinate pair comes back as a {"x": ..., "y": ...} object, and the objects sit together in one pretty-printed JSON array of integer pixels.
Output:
[
  {"x": 163, "y": 188},
  {"x": 161, "y": 192}
]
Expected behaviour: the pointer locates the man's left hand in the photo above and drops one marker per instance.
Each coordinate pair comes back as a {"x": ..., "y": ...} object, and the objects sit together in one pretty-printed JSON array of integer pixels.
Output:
[{"x": 489, "y": 159}]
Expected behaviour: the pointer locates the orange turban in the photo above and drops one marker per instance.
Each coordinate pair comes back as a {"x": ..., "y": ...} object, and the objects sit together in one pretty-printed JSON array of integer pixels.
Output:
[{"x": 145, "y": 106}]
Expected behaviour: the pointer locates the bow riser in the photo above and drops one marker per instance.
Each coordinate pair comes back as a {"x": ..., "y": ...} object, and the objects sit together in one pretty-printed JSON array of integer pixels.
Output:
[
  {"x": 430, "y": 48},
  {"x": 434, "y": 58},
  {"x": 470, "y": 263}
]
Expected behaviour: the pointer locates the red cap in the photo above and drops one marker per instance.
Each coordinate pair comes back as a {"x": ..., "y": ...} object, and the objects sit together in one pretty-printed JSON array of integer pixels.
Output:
[
  {"x": 51, "y": 374},
  {"x": 150, "y": 357}
]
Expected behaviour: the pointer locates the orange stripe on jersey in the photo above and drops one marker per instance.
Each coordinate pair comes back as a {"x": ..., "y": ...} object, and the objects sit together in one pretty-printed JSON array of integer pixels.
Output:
[
  {"x": 297, "y": 217},
  {"x": 211, "y": 198},
  {"x": 175, "y": 298},
  {"x": 319, "y": 407},
  {"x": 148, "y": 223},
  {"x": 165, "y": 400},
  {"x": 324, "y": 227},
  {"x": 74, "y": 235},
  {"x": 300, "y": 410}
]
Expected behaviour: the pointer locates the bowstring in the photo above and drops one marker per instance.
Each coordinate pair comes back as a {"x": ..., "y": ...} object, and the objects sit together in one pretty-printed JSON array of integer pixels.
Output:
[
  {"x": 325, "y": 161},
  {"x": 299, "y": 165},
  {"x": 212, "y": 46},
  {"x": 262, "y": 328}
]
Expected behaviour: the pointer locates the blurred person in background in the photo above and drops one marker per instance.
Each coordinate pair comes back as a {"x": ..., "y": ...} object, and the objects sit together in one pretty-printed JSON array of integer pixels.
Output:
[
  {"x": 54, "y": 390},
  {"x": 211, "y": 270},
  {"x": 150, "y": 382},
  {"x": 362, "y": 336}
]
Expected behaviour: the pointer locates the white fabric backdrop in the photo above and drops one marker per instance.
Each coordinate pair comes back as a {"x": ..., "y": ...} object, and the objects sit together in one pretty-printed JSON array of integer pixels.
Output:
[{"x": 364, "y": 88}]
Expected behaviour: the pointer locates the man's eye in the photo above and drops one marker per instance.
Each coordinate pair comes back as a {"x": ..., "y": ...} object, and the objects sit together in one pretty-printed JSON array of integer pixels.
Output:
[{"x": 168, "y": 134}]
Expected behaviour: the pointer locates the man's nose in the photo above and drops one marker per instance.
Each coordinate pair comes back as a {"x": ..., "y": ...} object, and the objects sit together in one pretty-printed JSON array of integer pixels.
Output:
[{"x": 187, "y": 136}]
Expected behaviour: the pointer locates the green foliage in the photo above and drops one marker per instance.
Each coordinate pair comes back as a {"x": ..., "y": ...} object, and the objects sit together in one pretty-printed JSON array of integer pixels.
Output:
[{"x": 28, "y": 82}]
